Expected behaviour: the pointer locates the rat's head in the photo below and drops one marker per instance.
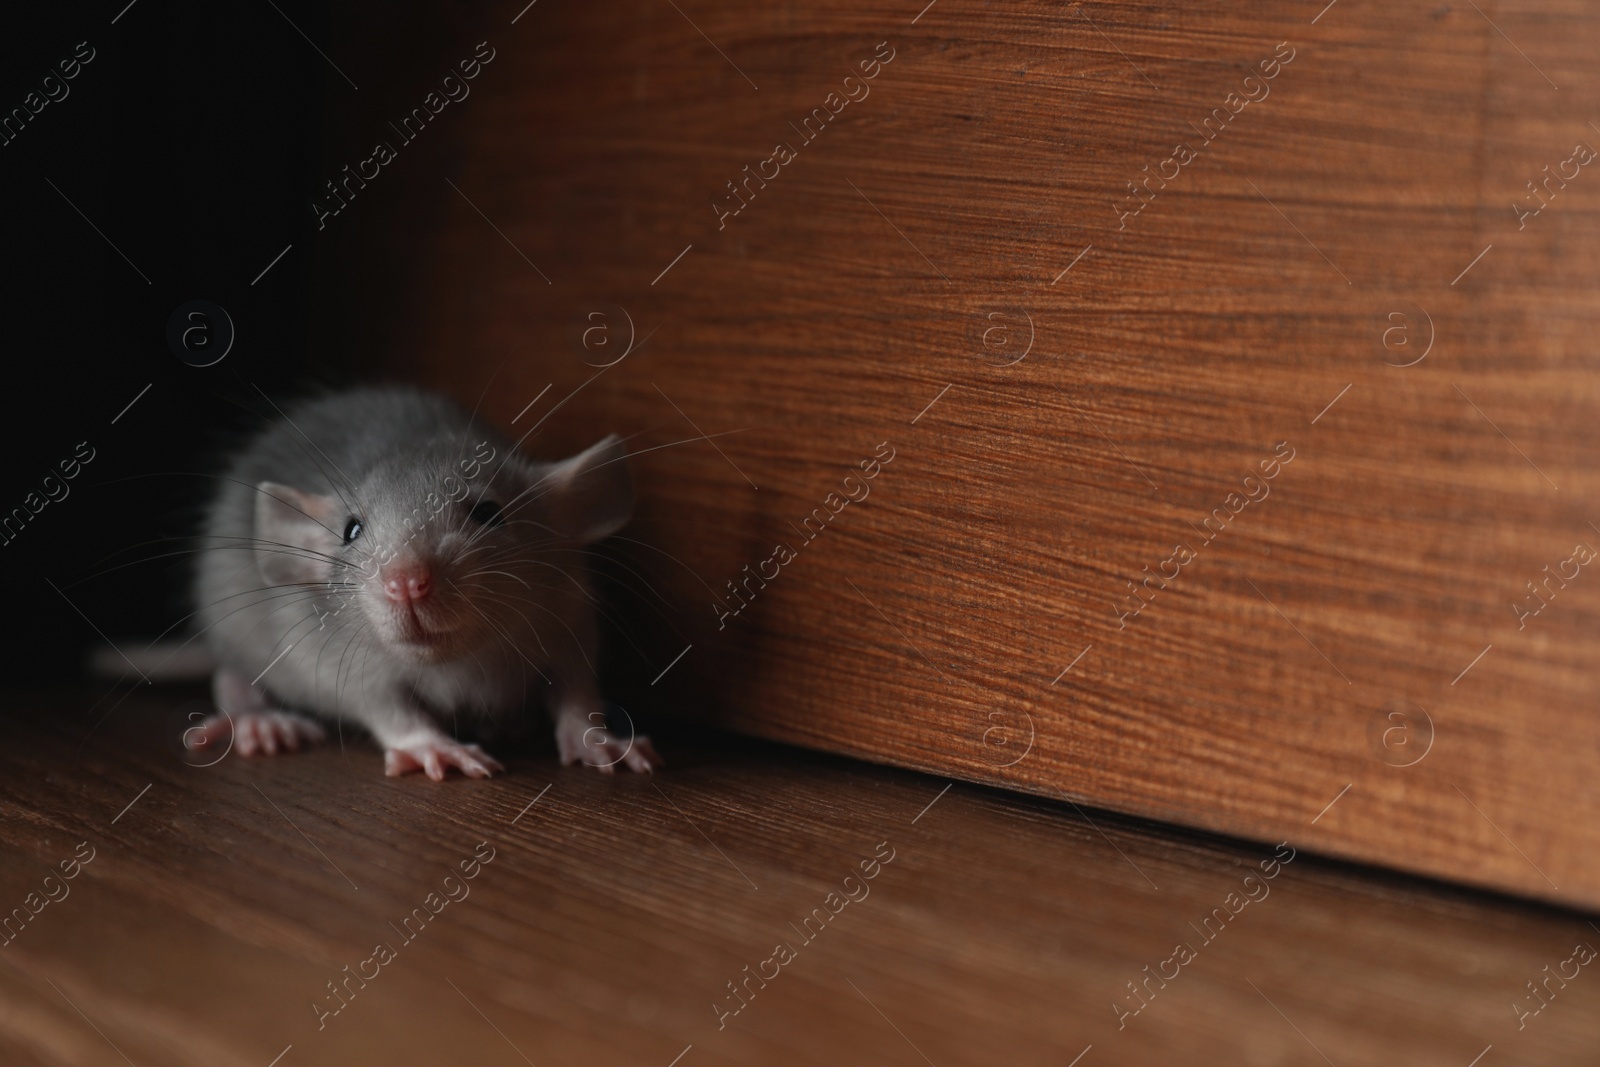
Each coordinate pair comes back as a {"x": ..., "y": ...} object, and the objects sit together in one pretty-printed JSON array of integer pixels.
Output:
[{"x": 441, "y": 551}]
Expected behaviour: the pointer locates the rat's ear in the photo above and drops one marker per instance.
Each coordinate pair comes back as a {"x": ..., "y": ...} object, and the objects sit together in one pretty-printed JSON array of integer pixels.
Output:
[
  {"x": 293, "y": 529},
  {"x": 590, "y": 496}
]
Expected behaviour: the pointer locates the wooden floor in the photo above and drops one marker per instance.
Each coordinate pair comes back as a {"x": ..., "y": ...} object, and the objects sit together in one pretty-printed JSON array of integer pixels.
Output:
[{"x": 607, "y": 917}]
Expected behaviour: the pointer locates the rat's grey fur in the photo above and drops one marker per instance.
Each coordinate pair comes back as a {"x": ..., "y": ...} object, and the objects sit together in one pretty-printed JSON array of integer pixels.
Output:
[{"x": 274, "y": 574}]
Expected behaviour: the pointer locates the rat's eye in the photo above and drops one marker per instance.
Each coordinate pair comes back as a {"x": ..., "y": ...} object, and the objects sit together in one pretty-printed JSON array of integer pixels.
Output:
[
  {"x": 352, "y": 530},
  {"x": 486, "y": 513}
]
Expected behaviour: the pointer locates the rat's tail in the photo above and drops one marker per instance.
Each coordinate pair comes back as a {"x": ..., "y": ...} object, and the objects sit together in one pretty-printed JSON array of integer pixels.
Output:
[{"x": 164, "y": 661}]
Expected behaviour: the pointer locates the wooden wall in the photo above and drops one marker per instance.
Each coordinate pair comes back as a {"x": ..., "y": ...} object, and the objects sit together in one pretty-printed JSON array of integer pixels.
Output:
[{"x": 1335, "y": 293}]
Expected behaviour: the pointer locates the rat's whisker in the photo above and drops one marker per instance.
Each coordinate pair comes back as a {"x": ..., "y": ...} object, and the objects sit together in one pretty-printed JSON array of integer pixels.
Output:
[
  {"x": 513, "y": 645},
  {"x": 347, "y": 482},
  {"x": 564, "y": 625},
  {"x": 506, "y": 574}
]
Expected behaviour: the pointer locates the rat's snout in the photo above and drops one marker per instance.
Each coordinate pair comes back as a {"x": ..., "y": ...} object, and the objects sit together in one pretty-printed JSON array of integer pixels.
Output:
[
  {"x": 414, "y": 614},
  {"x": 405, "y": 582}
]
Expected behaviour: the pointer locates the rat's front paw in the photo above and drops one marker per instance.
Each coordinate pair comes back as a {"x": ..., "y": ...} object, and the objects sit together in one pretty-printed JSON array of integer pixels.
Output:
[
  {"x": 253, "y": 732},
  {"x": 596, "y": 746},
  {"x": 435, "y": 755}
]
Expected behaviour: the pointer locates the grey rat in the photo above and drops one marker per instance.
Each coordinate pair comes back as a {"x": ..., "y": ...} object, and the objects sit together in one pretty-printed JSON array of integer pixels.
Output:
[{"x": 378, "y": 557}]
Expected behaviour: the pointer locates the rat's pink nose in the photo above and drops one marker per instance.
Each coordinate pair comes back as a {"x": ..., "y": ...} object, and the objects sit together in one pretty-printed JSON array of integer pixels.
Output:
[{"x": 404, "y": 584}]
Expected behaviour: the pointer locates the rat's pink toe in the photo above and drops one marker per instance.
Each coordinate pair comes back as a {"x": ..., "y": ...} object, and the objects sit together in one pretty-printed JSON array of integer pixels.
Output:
[
  {"x": 598, "y": 748},
  {"x": 244, "y": 735},
  {"x": 435, "y": 756},
  {"x": 208, "y": 734},
  {"x": 643, "y": 757},
  {"x": 255, "y": 732}
]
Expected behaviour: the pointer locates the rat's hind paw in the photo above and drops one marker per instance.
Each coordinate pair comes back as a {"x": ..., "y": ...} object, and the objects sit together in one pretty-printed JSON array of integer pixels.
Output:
[
  {"x": 435, "y": 755},
  {"x": 598, "y": 747},
  {"x": 255, "y": 732}
]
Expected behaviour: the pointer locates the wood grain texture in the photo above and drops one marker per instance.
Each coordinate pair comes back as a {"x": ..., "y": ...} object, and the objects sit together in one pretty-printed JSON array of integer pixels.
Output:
[
  {"x": 905, "y": 279},
  {"x": 221, "y": 900}
]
